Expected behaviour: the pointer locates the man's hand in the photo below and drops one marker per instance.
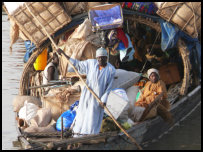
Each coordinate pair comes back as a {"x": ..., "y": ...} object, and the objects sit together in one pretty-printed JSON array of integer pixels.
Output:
[
  {"x": 102, "y": 104},
  {"x": 59, "y": 51}
]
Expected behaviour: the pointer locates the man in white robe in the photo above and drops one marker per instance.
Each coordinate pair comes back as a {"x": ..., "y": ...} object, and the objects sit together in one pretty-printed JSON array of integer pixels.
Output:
[{"x": 100, "y": 76}]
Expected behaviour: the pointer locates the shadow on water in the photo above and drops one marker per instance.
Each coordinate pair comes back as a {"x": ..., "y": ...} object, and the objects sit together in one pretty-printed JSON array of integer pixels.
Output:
[{"x": 184, "y": 136}]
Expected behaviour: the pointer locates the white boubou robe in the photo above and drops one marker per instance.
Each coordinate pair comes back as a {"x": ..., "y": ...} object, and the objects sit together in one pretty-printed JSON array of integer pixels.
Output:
[{"x": 89, "y": 114}]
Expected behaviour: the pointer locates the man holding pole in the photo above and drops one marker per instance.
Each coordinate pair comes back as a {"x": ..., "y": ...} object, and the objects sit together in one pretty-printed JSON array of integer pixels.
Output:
[
  {"x": 103, "y": 93},
  {"x": 100, "y": 76}
]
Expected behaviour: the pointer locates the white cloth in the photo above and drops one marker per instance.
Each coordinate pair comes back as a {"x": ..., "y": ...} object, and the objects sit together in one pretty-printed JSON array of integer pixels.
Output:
[
  {"x": 12, "y": 6},
  {"x": 89, "y": 114},
  {"x": 149, "y": 72},
  {"x": 45, "y": 73},
  {"x": 123, "y": 53}
]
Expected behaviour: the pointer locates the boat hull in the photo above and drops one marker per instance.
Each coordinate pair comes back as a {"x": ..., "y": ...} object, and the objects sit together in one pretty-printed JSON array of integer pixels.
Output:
[{"x": 143, "y": 132}]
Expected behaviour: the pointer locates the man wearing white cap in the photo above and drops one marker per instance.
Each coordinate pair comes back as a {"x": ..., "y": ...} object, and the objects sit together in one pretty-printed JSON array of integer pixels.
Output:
[
  {"x": 152, "y": 89},
  {"x": 100, "y": 76}
]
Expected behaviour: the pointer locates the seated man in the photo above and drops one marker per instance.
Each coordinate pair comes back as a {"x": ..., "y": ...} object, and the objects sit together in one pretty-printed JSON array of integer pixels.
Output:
[
  {"x": 51, "y": 72},
  {"x": 152, "y": 89}
]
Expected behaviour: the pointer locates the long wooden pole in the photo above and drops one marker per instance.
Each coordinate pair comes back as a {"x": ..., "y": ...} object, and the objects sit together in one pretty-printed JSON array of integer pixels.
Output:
[{"x": 131, "y": 138}]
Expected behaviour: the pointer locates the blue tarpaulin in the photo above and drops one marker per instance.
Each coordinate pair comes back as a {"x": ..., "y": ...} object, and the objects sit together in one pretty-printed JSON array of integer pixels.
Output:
[
  {"x": 29, "y": 48},
  {"x": 170, "y": 36},
  {"x": 68, "y": 117}
]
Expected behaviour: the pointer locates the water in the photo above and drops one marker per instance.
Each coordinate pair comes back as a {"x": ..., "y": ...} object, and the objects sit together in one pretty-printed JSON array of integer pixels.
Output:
[
  {"x": 12, "y": 67},
  {"x": 185, "y": 136}
]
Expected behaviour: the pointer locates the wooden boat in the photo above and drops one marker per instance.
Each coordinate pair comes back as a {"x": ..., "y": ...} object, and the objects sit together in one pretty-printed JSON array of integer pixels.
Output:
[
  {"x": 144, "y": 132},
  {"x": 184, "y": 99}
]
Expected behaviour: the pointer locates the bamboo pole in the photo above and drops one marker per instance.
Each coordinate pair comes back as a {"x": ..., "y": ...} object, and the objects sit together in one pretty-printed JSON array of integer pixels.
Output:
[{"x": 131, "y": 138}]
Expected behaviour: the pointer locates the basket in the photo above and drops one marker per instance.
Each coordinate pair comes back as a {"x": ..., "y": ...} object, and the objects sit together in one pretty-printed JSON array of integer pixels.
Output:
[
  {"x": 106, "y": 16},
  {"x": 50, "y": 14},
  {"x": 186, "y": 15}
]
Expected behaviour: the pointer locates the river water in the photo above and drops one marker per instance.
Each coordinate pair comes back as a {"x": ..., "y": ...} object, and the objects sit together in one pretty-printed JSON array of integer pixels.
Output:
[{"x": 185, "y": 136}]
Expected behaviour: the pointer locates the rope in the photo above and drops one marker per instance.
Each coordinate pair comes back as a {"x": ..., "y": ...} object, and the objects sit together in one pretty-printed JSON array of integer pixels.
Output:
[{"x": 150, "y": 51}]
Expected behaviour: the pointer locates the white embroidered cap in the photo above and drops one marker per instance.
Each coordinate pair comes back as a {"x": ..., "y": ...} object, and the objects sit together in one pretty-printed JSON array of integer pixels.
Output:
[
  {"x": 150, "y": 71},
  {"x": 101, "y": 52}
]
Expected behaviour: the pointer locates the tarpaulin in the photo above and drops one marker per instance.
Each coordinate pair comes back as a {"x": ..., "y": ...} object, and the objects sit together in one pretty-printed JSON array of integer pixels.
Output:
[
  {"x": 29, "y": 48},
  {"x": 170, "y": 36}
]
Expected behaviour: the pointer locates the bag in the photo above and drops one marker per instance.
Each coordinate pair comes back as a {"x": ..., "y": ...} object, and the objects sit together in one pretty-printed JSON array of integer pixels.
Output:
[
  {"x": 132, "y": 93},
  {"x": 68, "y": 117},
  {"x": 121, "y": 92},
  {"x": 125, "y": 79},
  {"x": 42, "y": 118},
  {"x": 47, "y": 129},
  {"x": 28, "y": 111},
  {"x": 59, "y": 105},
  {"x": 105, "y": 17},
  {"x": 18, "y": 102}
]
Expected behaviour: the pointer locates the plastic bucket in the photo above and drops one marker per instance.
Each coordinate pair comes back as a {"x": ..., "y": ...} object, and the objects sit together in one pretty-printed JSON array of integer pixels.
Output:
[{"x": 41, "y": 61}]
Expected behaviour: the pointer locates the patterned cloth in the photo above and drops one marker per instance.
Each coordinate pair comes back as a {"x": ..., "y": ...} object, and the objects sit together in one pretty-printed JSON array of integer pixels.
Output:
[{"x": 143, "y": 7}]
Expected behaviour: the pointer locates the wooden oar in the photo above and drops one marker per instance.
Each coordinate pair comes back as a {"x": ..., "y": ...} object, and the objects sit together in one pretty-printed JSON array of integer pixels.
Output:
[
  {"x": 148, "y": 109},
  {"x": 109, "y": 113},
  {"x": 51, "y": 84},
  {"x": 161, "y": 110}
]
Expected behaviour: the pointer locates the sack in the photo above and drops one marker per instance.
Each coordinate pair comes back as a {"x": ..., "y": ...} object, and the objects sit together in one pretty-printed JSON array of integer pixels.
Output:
[
  {"x": 81, "y": 45},
  {"x": 18, "y": 102},
  {"x": 28, "y": 111},
  {"x": 57, "y": 105},
  {"x": 73, "y": 8},
  {"x": 121, "y": 92},
  {"x": 49, "y": 128},
  {"x": 42, "y": 118},
  {"x": 125, "y": 79},
  {"x": 132, "y": 93},
  {"x": 68, "y": 117}
]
